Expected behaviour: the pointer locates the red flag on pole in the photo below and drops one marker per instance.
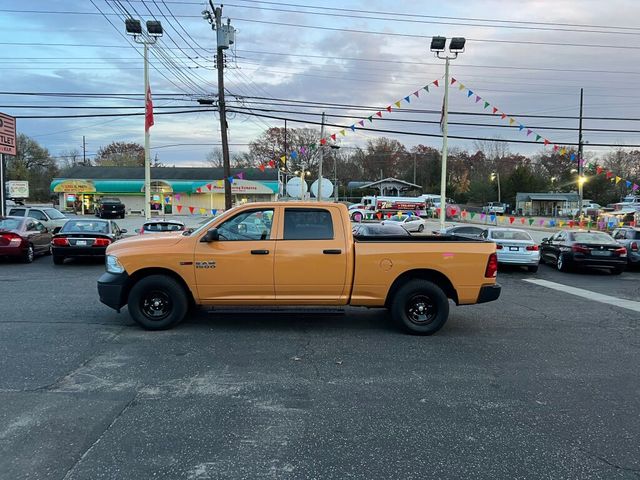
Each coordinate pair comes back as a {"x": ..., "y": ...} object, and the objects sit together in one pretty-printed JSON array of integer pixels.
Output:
[{"x": 148, "y": 110}]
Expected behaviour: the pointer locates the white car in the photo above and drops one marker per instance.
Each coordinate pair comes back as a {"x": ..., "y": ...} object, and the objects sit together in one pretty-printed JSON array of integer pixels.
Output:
[
  {"x": 48, "y": 216},
  {"x": 494, "y": 207},
  {"x": 409, "y": 223},
  {"x": 514, "y": 247}
]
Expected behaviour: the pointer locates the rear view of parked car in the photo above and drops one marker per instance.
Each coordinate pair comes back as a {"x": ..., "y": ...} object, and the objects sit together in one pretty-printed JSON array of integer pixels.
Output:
[
  {"x": 378, "y": 230},
  {"x": 23, "y": 238},
  {"x": 161, "y": 226},
  {"x": 630, "y": 238},
  {"x": 47, "y": 216},
  {"x": 514, "y": 247},
  {"x": 84, "y": 238},
  {"x": 568, "y": 249},
  {"x": 110, "y": 207}
]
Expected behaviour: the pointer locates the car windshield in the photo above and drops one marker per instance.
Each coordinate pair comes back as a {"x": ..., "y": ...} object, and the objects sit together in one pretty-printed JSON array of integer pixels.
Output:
[
  {"x": 89, "y": 226},
  {"x": 592, "y": 237},
  {"x": 510, "y": 235},
  {"x": 53, "y": 213},
  {"x": 163, "y": 227},
  {"x": 10, "y": 224}
]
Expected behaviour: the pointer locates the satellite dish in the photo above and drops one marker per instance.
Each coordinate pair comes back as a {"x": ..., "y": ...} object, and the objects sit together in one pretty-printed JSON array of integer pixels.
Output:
[
  {"x": 327, "y": 188},
  {"x": 295, "y": 187}
]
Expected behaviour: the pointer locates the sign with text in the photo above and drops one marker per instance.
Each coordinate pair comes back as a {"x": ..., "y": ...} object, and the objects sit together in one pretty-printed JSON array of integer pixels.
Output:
[{"x": 7, "y": 134}]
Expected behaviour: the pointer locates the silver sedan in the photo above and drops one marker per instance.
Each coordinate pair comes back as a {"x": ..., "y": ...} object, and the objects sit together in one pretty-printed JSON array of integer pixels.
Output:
[
  {"x": 514, "y": 247},
  {"x": 411, "y": 223}
]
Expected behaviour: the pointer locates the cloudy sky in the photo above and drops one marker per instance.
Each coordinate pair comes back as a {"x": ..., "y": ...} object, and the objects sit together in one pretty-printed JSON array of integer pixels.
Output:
[{"x": 341, "y": 57}]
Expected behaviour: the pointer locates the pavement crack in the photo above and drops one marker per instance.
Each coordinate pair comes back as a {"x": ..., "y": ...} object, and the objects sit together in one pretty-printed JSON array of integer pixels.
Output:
[
  {"x": 102, "y": 434},
  {"x": 635, "y": 471}
]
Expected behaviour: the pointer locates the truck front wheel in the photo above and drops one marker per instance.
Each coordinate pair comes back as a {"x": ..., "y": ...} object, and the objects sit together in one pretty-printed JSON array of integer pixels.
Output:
[
  {"x": 420, "y": 307},
  {"x": 158, "y": 302}
]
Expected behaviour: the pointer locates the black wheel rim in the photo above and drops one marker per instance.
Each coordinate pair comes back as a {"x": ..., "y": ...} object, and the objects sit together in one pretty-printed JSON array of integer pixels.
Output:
[
  {"x": 421, "y": 309},
  {"x": 156, "y": 305},
  {"x": 30, "y": 254},
  {"x": 560, "y": 262}
]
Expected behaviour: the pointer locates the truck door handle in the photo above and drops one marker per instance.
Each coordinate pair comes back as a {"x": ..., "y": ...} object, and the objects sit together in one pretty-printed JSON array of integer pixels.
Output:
[
  {"x": 259, "y": 252},
  {"x": 332, "y": 251}
]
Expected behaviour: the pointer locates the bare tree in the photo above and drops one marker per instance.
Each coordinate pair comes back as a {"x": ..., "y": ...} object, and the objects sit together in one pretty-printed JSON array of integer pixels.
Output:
[{"x": 214, "y": 158}]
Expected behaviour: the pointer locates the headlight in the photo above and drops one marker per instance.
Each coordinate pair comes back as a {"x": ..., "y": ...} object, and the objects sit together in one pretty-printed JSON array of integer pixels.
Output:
[{"x": 113, "y": 265}]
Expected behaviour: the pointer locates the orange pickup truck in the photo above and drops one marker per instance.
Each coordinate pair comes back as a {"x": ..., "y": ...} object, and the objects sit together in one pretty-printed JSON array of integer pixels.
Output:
[{"x": 296, "y": 253}]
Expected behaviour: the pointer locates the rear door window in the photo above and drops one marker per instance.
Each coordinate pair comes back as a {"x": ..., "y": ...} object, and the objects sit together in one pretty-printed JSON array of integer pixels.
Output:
[
  {"x": 308, "y": 224},
  {"x": 38, "y": 215},
  {"x": 17, "y": 212}
]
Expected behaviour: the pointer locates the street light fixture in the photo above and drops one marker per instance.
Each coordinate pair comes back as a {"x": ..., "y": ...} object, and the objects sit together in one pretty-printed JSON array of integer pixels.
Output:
[
  {"x": 154, "y": 31},
  {"x": 496, "y": 176},
  {"x": 438, "y": 46}
]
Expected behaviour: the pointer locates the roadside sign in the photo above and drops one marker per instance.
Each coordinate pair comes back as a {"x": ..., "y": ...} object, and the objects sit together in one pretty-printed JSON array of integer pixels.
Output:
[
  {"x": 7, "y": 134},
  {"x": 17, "y": 189}
]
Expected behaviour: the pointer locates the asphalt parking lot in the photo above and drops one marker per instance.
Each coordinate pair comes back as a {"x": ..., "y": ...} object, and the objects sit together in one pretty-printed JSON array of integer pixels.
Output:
[{"x": 540, "y": 384}]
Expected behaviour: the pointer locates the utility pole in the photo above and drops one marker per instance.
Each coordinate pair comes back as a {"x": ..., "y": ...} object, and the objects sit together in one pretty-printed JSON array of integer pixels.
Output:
[
  {"x": 445, "y": 131},
  {"x": 414, "y": 168},
  {"x": 580, "y": 159},
  {"x": 284, "y": 185},
  {"x": 321, "y": 153},
  {"x": 84, "y": 151},
  {"x": 225, "y": 36}
]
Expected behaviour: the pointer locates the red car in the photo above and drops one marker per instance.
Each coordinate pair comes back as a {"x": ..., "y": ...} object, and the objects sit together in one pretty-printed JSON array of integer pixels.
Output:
[{"x": 23, "y": 238}]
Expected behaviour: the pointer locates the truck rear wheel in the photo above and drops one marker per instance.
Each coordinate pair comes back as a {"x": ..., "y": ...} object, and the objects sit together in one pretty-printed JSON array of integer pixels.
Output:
[
  {"x": 158, "y": 302},
  {"x": 420, "y": 307}
]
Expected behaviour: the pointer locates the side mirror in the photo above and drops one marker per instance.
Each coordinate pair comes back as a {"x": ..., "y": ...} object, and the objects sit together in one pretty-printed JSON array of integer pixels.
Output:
[
  {"x": 123, "y": 230},
  {"x": 211, "y": 236}
]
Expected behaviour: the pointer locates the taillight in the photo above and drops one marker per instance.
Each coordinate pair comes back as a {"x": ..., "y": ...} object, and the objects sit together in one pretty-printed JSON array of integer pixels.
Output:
[
  {"x": 532, "y": 248},
  {"x": 101, "y": 242},
  {"x": 498, "y": 246},
  {"x": 13, "y": 239},
  {"x": 580, "y": 249},
  {"x": 621, "y": 252},
  {"x": 492, "y": 266},
  {"x": 60, "y": 242},
  {"x": 634, "y": 246}
]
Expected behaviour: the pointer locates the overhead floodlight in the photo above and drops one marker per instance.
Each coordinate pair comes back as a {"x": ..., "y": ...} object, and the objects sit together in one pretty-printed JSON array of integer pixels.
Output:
[
  {"x": 133, "y": 26},
  {"x": 457, "y": 44},
  {"x": 438, "y": 44},
  {"x": 154, "y": 28}
]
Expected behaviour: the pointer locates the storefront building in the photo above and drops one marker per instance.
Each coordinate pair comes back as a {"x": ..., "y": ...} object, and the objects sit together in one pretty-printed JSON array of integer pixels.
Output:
[
  {"x": 546, "y": 204},
  {"x": 174, "y": 190}
]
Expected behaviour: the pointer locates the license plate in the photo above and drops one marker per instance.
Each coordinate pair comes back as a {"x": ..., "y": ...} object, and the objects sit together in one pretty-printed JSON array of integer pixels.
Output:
[
  {"x": 81, "y": 242},
  {"x": 601, "y": 253},
  {"x": 513, "y": 249}
]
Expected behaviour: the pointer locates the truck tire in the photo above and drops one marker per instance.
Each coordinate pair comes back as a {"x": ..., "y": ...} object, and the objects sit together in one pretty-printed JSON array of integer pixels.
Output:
[
  {"x": 157, "y": 302},
  {"x": 420, "y": 307}
]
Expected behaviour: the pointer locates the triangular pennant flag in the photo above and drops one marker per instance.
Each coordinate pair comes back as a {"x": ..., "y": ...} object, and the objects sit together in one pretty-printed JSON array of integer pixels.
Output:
[
  {"x": 177, "y": 196},
  {"x": 220, "y": 183},
  {"x": 521, "y": 127},
  {"x": 538, "y": 137},
  {"x": 342, "y": 132},
  {"x": 323, "y": 141},
  {"x": 503, "y": 116},
  {"x": 618, "y": 180},
  {"x": 555, "y": 148},
  {"x": 293, "y": 155},
  {"x": 283, "y": 159},
  {"x": 478, "y": 98},
  {"x": 209, "y": 186},
  {"x": 511, "y": 121},
  {"x": 397, "y": 104},
  {"x": 261, "y": 167},
  {"x": 461, "y": 87},
  {"x": 453, "y": 80},
  {"x": 599, "y": 170},
  {"x": 240, "y": 175},
  {"x": 214, "y": 211},
  {"x": 529, "y": 132},
  {"x": 230, "y": 179},
  {"x": 361, "y": 122},
  {"x": 495, "y": 110},
  {"x": 609, "y": 174},
  {"x": 469, "y": 93},
  {"x": 179, "y": 207},
  {"x": 192, "y": 209},
  {"x": 371, "y": 118},
  {"x": 272, "y": 163},
  {"x": 572, "y": 157},
  {"x": 302, "y": 150},
  {"x": 353, "y": 128},
  {"x": 522, "y": 220},
  {"x": 546, "y": 142},
  {"x": 333, "y": 136},
  {"x": 313, "y": 146},
  {"x": 563, "y": 151},
  {"x": 407, "y": 99},
  {"x": 512, "y": 219},
  {"x": 531, "y": 220},
  {"x": 635, "y": 187},
  {"x": 417, "y": 93},
  {"x": 486, "y": 104},
  {"x": 389, "y": 108},
  {"x": 426, "y": 87},
  {"x": 472, "y": 214},
  {"x": 628, "y": 183},
  {"x": 202, "y": 211},
  {"x": 379, "y": 114},
  {"x": 435, "y": 82},
  {"x": 167, "y": 200}
]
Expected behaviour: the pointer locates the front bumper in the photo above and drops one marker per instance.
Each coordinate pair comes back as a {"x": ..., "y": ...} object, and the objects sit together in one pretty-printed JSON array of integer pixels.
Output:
[
  {"x": 113, "y": 289},
  {"x": 489, "y": 293}
]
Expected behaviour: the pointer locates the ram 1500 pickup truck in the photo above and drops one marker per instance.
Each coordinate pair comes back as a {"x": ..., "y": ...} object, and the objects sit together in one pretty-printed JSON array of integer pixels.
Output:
[{"x": 296, "y": 253}]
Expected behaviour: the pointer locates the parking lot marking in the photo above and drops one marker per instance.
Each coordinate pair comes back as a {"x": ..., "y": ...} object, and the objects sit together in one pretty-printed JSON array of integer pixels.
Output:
[{"x": 588, "y": 294}]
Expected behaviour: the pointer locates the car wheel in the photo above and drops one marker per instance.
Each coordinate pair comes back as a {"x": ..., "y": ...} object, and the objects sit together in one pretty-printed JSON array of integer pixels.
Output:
[
  {"x": 617, "y": 270},
  {"x": 58, "y": 260},
  {"x": 420, "y": 307},
  {"x": 158, "y": 302},
  {"x": 421, "y": 228},
  {"x": 28, "y": 255},
  {"x": 49, "y": 251},
  {"x": 561, "y": 263},
  {"x": 532, "y": 268}
]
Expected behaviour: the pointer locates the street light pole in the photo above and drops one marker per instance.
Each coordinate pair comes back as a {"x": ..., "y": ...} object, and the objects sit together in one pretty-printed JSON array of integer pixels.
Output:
[
  {"x": 321, "y": 153},
  {"x": 580, "y": 160},
  {"x": 456, "y": 46}
]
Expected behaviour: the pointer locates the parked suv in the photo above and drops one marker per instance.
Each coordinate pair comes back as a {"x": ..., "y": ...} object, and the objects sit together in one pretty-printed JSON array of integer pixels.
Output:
[
  {"x": 494, "y": 207},
  {"x": 110, "y": 207},
  {"x": 49, "y": 217},
  {"x": 630, "y": 238}
]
